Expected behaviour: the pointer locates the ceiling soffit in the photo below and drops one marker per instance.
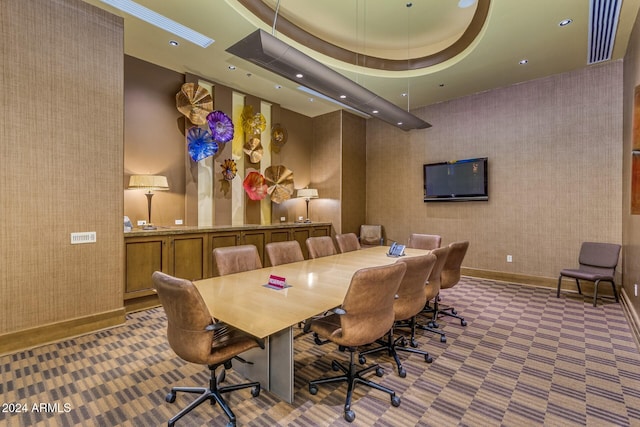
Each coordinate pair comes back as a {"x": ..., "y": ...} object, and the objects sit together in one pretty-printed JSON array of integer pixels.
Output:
[{"x": 265, "y": 13}]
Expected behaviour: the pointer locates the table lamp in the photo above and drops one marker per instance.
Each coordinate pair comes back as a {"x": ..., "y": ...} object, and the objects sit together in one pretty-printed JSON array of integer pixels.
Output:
[
  {"x": 149, "y": 183},
  {"x": 307, "y": 194}
]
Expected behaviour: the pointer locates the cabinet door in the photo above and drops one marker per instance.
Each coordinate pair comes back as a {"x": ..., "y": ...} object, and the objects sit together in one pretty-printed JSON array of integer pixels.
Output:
[
  {"x": 279, "y": 236},
  {"x": 143, "y": 257},
  {"x": 320, "y": 231},
  {"x": 189, "y": 257},
  {"x": 256, "y": 238},
  {"x": 301, "y": 235}
]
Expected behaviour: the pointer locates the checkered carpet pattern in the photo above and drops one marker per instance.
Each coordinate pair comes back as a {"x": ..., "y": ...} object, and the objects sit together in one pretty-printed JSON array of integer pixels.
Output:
[{"x": 525, "y": 358}]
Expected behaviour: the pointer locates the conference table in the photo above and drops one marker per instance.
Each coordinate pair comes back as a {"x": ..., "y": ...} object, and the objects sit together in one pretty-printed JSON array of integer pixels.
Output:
[{"x": 246, "y": 302}]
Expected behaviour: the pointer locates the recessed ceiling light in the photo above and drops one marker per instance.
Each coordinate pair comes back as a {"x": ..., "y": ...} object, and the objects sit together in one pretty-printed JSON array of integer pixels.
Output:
[
  {"x": 232, "y": 67},
  {"x": 400, "y": 123},
  {"x": 404, "y": 94},
  {"x": 375, "y": 111},
  {"x": 343, "y": 96},
  {"x": 160, "y": 21},
  {"x": 278, "y": 87},
  {"x": 299, "y": 75},
  {"x": 463, "y": 4},
  {"x": 173, "y": 43},
  {"x": 441, "y": 85},
  {"x": 523, "y": 61},
  {"x": 565, "y": 22}
]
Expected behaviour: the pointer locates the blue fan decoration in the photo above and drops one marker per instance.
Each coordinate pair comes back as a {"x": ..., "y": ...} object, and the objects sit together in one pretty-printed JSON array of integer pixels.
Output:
[{"x": 201, "y": 144}]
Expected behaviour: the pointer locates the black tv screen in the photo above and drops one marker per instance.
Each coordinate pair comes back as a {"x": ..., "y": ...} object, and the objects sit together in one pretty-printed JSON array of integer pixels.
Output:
[{"x": 460, "y": 180}]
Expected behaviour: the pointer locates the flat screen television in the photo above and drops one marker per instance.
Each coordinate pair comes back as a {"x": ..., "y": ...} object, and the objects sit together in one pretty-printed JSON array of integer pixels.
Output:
[{"x": 460, "y": 180}]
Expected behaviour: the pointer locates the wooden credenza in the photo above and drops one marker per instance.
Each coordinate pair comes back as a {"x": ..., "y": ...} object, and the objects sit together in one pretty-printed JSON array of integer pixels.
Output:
[{"x": 186, "y": 252}]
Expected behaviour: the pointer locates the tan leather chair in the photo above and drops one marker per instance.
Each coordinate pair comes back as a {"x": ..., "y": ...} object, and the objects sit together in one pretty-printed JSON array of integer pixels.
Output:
[
  {"x": 284, "y": 252},
  {"x": 347, "y": 242},
  {"x": 197, "y": 338},
  {"x": 432, "y": 289},
  {"x": 371, "y": 235},
  {"x": 236, "y": 259},
  {"x": 450, "y": 275},
  {"x": 366, "y": 314},
  {"x": 424, "y": 241},
  {"x": 410, "y": 301},
  {"x": 598, "y": 262},
  {"x": 320, "y": 247}
]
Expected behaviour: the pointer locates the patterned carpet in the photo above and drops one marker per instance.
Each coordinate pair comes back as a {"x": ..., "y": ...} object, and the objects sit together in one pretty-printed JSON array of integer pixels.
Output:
[{"x": 525, "y": 358}]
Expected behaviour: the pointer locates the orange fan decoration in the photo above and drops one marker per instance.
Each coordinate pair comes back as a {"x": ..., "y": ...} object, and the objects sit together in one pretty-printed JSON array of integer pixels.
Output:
[
  {"x": 280, "y": 181},
  {"x": 194, "y": 102}
]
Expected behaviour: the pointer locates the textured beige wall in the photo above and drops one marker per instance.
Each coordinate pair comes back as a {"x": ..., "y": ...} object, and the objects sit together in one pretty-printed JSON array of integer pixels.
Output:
[
  {"x": 61, "y": 162},
  {"x": 631, "y": 223},
  {"x": 555, "y": 158}
]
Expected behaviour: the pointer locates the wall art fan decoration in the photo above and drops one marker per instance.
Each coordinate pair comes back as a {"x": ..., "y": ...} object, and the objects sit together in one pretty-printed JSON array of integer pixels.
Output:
[
  {"x": 229, "y": 169},
  {"x": 221, "y": 126},
  {"x": 279, "y": 136},
  {"x": 194, "y": 102},
  {"x": 255, "y": 186},
  {"x": 280, "y": 183},
  {"x": 253, "y": 149},
  {"x": 252, "y": 124},
  {"x": 200, "y": 144}
]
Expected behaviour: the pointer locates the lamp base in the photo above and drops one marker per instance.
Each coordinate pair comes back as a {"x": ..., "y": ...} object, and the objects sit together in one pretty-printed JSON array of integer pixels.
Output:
[
  {"x": 307, "y": 221},
  {"x": 149, "y": 227}
]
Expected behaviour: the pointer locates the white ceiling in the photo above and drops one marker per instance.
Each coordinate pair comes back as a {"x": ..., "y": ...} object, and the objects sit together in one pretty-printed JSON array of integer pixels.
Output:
[{"x": 514, "y": 30}]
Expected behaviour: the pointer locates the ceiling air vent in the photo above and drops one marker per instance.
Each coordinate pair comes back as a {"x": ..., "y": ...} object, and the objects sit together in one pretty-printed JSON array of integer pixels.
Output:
[{"x": 603, "y": 23}]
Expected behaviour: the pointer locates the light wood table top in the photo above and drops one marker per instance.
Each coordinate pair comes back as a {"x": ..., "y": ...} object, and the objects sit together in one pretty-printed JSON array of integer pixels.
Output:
[{"x": 316, "y": 286}]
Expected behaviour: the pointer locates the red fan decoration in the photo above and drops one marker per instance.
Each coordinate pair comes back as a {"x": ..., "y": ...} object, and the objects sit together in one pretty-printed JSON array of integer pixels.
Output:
[{"x": 255, "y": 186}]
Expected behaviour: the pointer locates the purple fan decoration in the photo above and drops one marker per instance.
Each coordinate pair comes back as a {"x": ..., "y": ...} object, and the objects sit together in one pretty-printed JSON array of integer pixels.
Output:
[
  {"x": 201, "y": 144},
  {"x": 221, "y": 126}
]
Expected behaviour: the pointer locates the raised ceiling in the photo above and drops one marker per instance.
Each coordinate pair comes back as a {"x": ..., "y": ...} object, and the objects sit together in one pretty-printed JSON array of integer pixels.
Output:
[{"x": 490, "y": 38}]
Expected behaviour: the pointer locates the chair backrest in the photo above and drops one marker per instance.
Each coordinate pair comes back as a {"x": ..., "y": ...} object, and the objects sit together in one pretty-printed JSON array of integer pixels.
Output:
[
  {"x": 371, "y": 235},
  {"x": 450, "y": 275},
  {"x": 187, "y": 317},
  {"x": 411, "y": 297},
  {"x": 236, "y": 259},
  {"x": 600, "y": 257},
  {"x": 433, "y": 281},
  {"x": 347, "y": 242},
  {"x": 424, "y": 241},
  {"x": 284, "y": 252},
  {"x": 320, "y": 246},
  {"x": 369, "y": 304}
]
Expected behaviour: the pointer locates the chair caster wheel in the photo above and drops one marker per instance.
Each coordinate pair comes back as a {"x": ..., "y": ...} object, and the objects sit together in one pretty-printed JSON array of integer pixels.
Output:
[
  {"x": 349, "y": 416},
  {"x": 402, "y": 372},
  {"x": 313, "y": 390},
  {"x": 443, "y": 338},
  {"x": 362, "y": 360},
  {"x": 433, "y": 325},
  {"x": 395, "y": 401},
  {"x": 463, "y": 322},
  {"x": 454, "y": 312},
  {"x": 171, "y": 397},
  {"x": 255, "y": 391},
  {"x": 231, "y": 424},
  {"x": 413, "y": 343},
  {"x": 379, "y": 371},
  {"x": 317, "y": 340},
  {"x": 428, "y": 358},
  {"x": 334, "y": 365}
]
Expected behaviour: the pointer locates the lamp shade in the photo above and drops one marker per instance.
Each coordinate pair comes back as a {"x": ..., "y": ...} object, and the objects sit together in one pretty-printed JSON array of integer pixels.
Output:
[
  {"x": 307, "y": 193},
  {"x": 148, "y": 182}
]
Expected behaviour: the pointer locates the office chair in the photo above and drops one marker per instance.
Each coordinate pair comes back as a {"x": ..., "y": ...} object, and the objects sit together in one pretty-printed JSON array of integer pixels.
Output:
[
  {"x": 450, "y": 275},
  {"x": 424, "y": 241},
  {"x": 597, "y": 263},
  {"x": 347, "y": 242},
  {"x": 320, "y": 247},
  {"x": 409, "y": 302},
  {"x": 366, "y": 314},
  {"x": 371, "y": 235},
  {"x": 236, "y": 259},
  {"x": 431, "y": 290},
  {"x": 284, "y": 252},
  {"x": 197, "y": 338}
]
